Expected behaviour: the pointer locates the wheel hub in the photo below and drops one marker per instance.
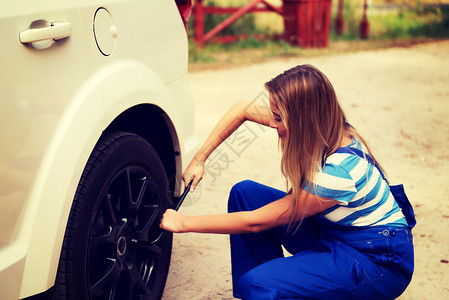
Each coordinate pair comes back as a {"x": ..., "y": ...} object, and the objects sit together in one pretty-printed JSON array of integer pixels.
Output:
[{"x": 121, "y": 246}]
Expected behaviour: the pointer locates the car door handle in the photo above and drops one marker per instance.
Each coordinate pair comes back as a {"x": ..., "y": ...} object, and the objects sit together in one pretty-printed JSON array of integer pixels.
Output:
[{"x": 56, "y": 31}]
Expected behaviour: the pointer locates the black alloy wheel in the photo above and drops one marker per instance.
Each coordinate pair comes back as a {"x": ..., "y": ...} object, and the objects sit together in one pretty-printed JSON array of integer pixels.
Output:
[{"x": 108, "y": 251}]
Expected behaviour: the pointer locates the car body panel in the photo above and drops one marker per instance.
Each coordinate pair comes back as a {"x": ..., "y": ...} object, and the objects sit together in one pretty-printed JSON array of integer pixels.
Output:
[
  {"x": 34, "y": 99},
  {"x": 53, "y": 116}
]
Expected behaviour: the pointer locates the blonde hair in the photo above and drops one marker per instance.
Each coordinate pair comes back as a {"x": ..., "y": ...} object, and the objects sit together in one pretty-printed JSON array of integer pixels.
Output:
[{"x": 315, "y": 125}]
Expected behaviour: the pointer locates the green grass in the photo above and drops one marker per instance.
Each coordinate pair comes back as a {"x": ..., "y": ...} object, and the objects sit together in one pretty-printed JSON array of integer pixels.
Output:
[{"x": 403, "y": 22}]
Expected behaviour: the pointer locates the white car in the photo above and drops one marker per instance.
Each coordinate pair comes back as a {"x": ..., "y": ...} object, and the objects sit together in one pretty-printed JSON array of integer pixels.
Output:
[{"x": 96, "y": 121}]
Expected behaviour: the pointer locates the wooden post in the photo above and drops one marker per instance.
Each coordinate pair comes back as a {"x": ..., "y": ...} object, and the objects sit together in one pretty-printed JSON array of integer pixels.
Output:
[
  {"x": 339, "y": 22},
  {"x": 364, "y": 24},
  {"x": 199, "y": 24}
]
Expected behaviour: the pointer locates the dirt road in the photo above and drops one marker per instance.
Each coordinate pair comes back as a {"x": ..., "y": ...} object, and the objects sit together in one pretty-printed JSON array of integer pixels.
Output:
[{"x": 397, "y": 98}]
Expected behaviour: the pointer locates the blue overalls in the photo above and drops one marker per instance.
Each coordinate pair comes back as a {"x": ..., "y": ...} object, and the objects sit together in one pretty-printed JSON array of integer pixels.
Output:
[{"x": 328, "y": 261}]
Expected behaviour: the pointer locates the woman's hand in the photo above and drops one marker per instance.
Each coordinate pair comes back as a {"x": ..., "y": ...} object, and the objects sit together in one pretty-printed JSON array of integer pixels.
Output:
[
  {"x": 173, "y": 221},
  {"x": 194, "y": 172}
]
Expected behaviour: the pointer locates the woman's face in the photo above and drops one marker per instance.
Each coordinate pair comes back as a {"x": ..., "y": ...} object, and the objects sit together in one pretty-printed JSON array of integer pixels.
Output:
[{"x": 276, "y": 120}]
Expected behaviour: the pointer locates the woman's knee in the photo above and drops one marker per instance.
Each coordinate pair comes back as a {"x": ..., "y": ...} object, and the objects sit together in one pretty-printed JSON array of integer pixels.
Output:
[
  {"x": 250, "y": 195},
  {"x": 244, "y": 185},
  {"x": 237, "y": 195}
]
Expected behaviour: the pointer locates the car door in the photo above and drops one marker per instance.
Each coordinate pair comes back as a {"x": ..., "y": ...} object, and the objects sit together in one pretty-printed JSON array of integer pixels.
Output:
[{"x": 42, "y": 71}]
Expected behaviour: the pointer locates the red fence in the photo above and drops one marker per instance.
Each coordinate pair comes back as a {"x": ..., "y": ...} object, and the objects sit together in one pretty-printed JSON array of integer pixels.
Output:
[
  {"x": 199, "y": 10},
  {"x": 307, "y": 22}
]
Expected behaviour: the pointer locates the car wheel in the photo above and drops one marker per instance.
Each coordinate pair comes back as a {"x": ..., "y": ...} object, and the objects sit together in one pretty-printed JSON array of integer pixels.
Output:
[{"x": 108, "y": 250}]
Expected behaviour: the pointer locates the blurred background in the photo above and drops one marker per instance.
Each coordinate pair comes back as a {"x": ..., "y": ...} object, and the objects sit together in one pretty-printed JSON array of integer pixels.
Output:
[{"x": 261, "y": 35}]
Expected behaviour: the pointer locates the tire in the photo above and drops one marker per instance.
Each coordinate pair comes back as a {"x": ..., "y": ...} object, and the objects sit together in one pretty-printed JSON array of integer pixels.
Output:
[{"x": 107, "y": 251}]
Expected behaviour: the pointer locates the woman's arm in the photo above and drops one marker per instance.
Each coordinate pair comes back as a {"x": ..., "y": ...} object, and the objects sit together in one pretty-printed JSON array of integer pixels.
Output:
[
  {"x": 269, "y": 216},
  {"x": 240, "y": 112}
]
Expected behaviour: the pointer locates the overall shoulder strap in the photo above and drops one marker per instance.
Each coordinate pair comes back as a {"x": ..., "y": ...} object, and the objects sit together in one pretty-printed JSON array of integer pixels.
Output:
[{"x": 397, "y": 190}]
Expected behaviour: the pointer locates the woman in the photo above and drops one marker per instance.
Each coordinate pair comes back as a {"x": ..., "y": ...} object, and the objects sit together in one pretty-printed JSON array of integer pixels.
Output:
[{"x": 347, "y": 235}]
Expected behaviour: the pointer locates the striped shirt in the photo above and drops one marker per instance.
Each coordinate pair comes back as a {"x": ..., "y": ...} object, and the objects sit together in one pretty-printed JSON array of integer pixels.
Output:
[{"x": 364, "y": 196}]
